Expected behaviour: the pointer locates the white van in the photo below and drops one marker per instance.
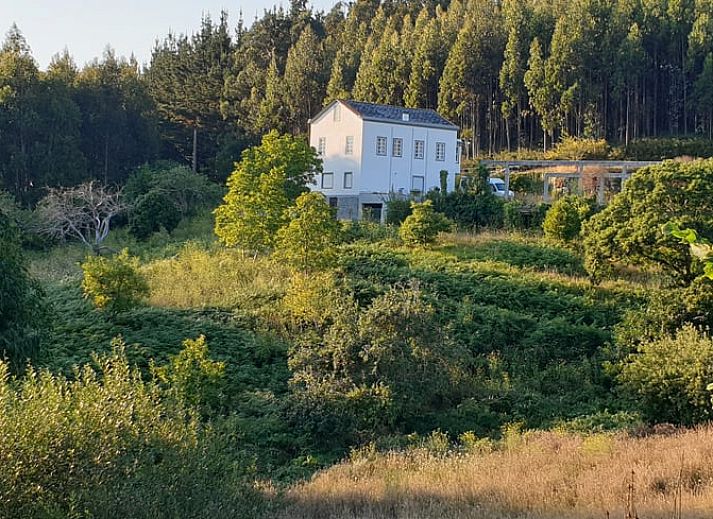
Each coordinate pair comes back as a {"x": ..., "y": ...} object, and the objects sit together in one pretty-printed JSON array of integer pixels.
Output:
[{"x": 498, "y": 187}]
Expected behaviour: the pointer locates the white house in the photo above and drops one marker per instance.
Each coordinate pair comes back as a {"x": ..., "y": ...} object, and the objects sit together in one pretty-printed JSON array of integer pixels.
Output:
[{"x": 371, "y": 152}]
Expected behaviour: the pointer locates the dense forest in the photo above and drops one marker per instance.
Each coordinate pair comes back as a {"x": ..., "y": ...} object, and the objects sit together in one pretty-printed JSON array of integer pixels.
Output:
[{"x": 512, "y": 74}]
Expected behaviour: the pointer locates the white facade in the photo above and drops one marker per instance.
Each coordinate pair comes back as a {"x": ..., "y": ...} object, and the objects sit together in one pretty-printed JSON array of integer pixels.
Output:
[{"x": 372, "y": 152}]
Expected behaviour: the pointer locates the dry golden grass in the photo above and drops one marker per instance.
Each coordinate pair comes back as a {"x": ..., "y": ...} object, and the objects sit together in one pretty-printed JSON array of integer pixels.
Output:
[{"x": 544, "y": 476}]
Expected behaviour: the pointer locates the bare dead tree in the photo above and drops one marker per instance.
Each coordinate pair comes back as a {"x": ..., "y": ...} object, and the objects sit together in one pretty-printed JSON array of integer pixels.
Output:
[{"x": 83, "y": 212}]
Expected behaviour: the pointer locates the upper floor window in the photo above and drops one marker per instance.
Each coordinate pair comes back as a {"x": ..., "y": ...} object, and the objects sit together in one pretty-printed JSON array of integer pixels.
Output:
[
  {"x": 327, "y": 180},
  {"x": 397, "y": 147},
  {"x": 348, "y": 179},
  {"x": 337, "y": 112},
  {"x": 381, "y": 145},
  {"x": 322, "y": 146},
  {"x": 349, "y": 145},
  {"x": 441, "y": 151},
  {"x": 418, "y": 149}
]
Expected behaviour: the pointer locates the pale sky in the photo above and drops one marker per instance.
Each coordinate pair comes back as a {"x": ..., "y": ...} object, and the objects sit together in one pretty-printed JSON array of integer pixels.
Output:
[{"x": 86, "y": 27}]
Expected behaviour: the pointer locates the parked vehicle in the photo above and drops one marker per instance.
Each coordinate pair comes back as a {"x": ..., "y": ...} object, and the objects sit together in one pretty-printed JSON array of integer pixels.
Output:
[{"x": 498, "y": 187}]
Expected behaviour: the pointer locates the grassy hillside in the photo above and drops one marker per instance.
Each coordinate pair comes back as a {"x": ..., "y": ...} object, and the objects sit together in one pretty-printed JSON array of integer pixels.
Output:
[{"x": 527, "y": 341}]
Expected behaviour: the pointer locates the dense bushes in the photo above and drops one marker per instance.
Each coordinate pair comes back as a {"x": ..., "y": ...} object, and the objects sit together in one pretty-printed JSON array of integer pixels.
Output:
[
  {"x": 563, "y": 221},
  {"x": 22, "y": 307},
  {"x": 571, "y": 148},
  {"x": 660, "y": 149},
  {"x": 397, "y": 209},
  {"x": 163, "y": 193},
  {"x": 107, "y": 444},
  {"x": 153, "y": 211},
  {"x": 470, "y": 210},
  {"x": 668, "y": 377}
]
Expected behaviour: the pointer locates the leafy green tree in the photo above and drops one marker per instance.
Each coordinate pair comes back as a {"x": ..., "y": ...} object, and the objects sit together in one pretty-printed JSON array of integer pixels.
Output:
[
  {"x": 541, "y": 97},
  {"x": 512, "y": 73},
  {"x": 563, "y": 221},
  {"x": 468, "y": 84},
  {"x": 114, "y": 283},
  {"x": 628, "y": 230},
  {"x": 22, "y": 307},
  {"x": 309, "y": 240},
  {"x": 267, "y": 180},
  {"x": 423, "y": 225}
]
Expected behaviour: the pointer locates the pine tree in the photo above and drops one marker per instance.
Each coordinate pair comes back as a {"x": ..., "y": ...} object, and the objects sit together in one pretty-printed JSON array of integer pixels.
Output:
[
  {"x": 272, "y": 113},
  {"x": 426, "y": 68},
  {"x": 304, "y": 83},
  {"x": 703, "y": 93}
]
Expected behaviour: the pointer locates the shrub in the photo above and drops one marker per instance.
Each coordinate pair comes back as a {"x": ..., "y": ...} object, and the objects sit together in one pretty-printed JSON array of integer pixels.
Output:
[
  {"x": 571, "y": 148},
  {"x": 397, "y": 210},
  {"x": 469, "y": 209},
  {"x": 563, "y": 221},
  {"x": 192, "y": 377},
  {"x": 106, "y": 444},
  {"x": 114, "y": 284},
  {"x": 629, "y": 229},
  {"x": 423, "y": 225},
  {"x": 307, "y": 242},
  {"x": 153, "y": 211},
  {"x": 363, "y": 230},
  {"x": 22, "y": 307},
  {"x": 668, "y": 377}
]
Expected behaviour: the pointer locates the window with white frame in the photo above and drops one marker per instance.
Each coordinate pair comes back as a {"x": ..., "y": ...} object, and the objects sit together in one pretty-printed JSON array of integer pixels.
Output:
[
  {"x": 381, "y": 145},
  {"x": 348, "y": 176},
  {"x": 397, "y": 147},
  {"x": 337, "y": 113},
  {"x": 349, "y": 145},
  {"x": 327, "y": 180},
  {"x": 417, "y": 184},
  {"x": 440, "y": 151},
  {"x": 418, "y": 149},
  {"x": 322, "y": 146}
]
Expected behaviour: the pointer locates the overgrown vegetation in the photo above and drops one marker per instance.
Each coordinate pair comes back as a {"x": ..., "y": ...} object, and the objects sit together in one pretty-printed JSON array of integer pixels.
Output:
[{"x": 326, "y": 337}]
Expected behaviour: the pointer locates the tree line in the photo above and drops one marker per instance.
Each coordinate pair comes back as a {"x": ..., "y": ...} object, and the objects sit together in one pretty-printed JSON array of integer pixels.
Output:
[{"x": 511, "y": 73}]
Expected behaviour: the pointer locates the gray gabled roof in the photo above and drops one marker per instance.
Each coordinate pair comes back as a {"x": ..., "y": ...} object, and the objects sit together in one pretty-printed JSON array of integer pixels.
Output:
[{"x": 395, "y": 114}]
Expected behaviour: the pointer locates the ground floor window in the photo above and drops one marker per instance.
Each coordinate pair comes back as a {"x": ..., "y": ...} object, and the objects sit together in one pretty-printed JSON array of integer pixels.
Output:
[
  {"x": 371, "y": 212},
  {"x": 333, "y": 201},
  {"x": 348, "y": 180},
  {"x": 417, "y": 184}
]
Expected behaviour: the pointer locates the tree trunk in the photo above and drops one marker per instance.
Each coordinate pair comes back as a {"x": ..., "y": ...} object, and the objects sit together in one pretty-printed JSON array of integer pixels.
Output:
[
  {"x": 195, "y": 150},
  {"x": 106, "y": 159}
]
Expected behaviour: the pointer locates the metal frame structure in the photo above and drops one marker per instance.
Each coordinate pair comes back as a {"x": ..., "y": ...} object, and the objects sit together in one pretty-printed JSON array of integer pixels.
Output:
[{"x": 623, "y": 170}]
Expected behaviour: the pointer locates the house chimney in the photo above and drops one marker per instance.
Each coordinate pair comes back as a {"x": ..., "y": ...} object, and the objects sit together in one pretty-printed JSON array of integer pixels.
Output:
[{"x": 404, "y": 117}]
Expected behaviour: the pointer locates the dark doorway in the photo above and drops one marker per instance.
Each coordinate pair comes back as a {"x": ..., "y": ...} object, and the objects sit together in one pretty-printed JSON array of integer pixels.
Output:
[{"x": 371, "y": 212}]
